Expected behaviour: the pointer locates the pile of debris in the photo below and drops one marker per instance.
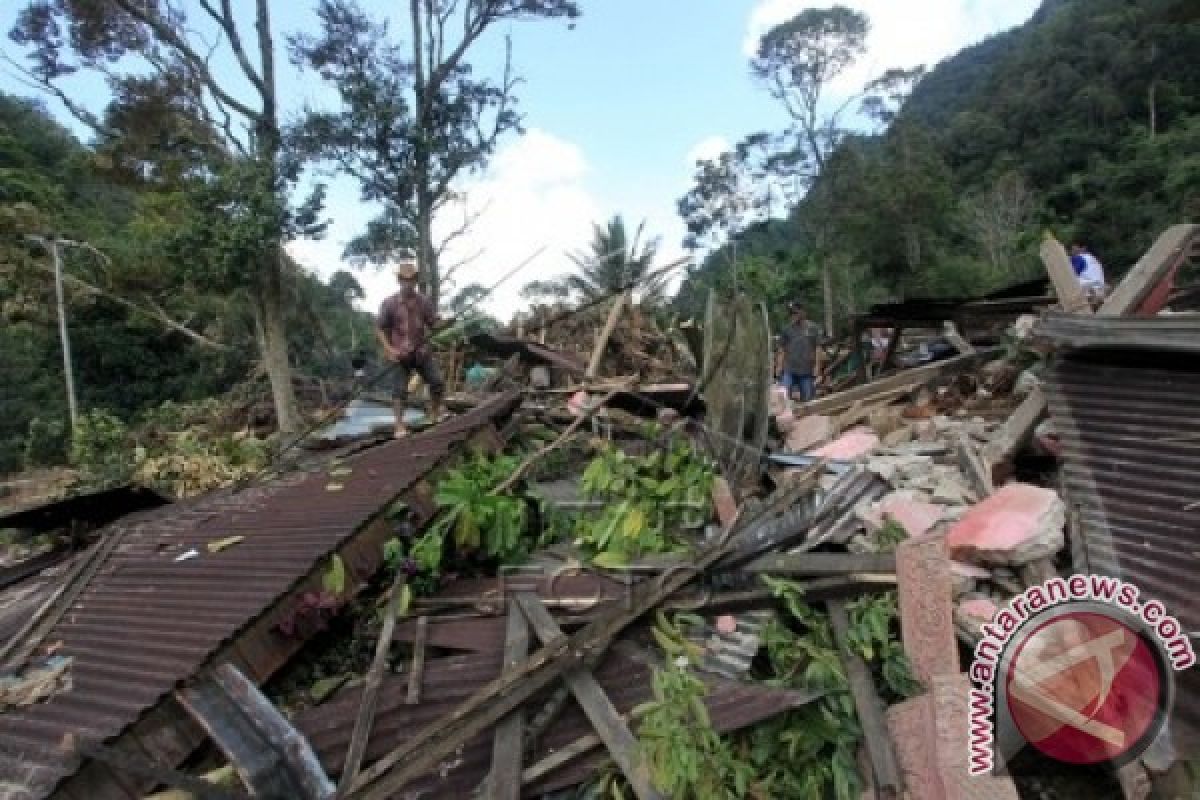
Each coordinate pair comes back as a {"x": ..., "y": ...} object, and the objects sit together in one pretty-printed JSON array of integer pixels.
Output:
[{"x": 547, "y": 597}]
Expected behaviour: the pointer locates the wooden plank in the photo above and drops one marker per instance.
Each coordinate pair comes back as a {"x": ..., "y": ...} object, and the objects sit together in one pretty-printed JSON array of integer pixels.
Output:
[
  {"x": 370, "y": 697},
  {"x": 898, "y": 383},
  {"x": 417, "y": 673},
  {"x": 492, "y": 702},
  {"x": 1071, "y": 295},
  {"x": 823, "y": 564},
  {"x": 504, "y": 783},
  {"x": 978, "y": 473},
  {"x": 621, "y": 744},
  {"x": 1157, "y": 263},
  {"x": 869, "y": 706},
  {"x": 1016, "y": 430},
  {"x": 294, "y": 750}
]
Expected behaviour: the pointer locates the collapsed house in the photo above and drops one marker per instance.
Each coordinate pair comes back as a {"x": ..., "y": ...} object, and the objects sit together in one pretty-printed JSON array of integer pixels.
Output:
[{"x": 154, "y": 658}]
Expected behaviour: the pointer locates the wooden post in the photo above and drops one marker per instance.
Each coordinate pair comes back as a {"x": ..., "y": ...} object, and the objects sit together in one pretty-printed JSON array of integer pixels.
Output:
[{"x": 606, "y": 333}]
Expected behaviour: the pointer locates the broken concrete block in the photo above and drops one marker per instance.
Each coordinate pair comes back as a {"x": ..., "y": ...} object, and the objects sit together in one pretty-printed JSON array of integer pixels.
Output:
[
  {"x": 950, "y": 491},
  {"x": 1022, "y": 329},
  {"x": 967, "y": 577},
  {"x": 778, "y": 402},
  {"x": 886, "y": 421},
  {"x": 914, "y": 516},
  {"x": 1026, "y": 383},
  {"x": 809, "y": 432},
  {"x": 926, "y": 432},
  {"x": 539, "y": 378},
  {"x": 975, "y": 612},
  {"x": 925, "y": 589},
  {"x": 1018, "y": 524},
  {"x": 900, "y": 436},
  {"x": 785, "y": 421},
  {"x": 850, "y": 446}
]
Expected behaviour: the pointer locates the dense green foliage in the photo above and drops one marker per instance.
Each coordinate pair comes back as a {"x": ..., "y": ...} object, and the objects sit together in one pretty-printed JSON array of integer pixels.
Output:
[
  {"x": 127, "y": 359},
  {"x": 1085, "y": 121},
  {"x": 650, "y": 502}
]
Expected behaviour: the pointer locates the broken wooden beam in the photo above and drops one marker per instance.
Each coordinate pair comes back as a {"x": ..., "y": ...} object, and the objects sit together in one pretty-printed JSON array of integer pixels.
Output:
[
  {"x": 823, "y": 564},
  {"x": 270, "y": 756},
  {"x": 417, "y": 671},
  {"x": 972, "y": 465},
  {"x": 869, "y": 706},
  {"x": 610, "y": 325},
  {"x": 186, "y": 785},
  {"x": 366, "y": 710},
  {"x": 621, "y": 744},
  {"x": 960, "y": 343},
  {"x": 504, "y": 782},
  {"x": 1167, "y": 252},
  {"x": 897, "y": 384}
]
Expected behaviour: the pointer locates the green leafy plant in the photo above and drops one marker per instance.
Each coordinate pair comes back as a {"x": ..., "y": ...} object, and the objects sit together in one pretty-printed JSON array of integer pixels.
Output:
[
  {"x": 686, "y": 758},
  {"x": 649, "y": 502},
  {"x": 100, "y": 449},
  {"x": 334, "y": 579},
  {"x": 45, "y": 442},
  {"x": 477, "y": 518}
]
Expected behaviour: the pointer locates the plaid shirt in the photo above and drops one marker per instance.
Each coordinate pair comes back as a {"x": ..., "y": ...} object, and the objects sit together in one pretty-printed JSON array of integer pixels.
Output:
[{"x": 406, "y": 320}]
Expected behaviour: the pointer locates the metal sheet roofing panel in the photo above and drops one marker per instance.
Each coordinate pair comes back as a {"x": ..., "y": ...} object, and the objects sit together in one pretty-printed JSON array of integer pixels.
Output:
[{"x": 146, "y": 622}]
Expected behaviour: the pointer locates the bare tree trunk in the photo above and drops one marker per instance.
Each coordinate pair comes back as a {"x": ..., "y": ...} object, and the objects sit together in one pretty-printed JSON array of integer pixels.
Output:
[
  {"x": 273, "y": 342},
  {"x": 1153, "y": 103}
]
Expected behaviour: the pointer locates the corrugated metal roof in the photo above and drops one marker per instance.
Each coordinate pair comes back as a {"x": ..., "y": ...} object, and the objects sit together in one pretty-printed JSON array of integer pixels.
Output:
[
  {"x": 447, "y": 682},
  {"x": 1130, "y": 426},
  {"x": 146, "y": 623},
  {"x": 1164, "y": 333}
]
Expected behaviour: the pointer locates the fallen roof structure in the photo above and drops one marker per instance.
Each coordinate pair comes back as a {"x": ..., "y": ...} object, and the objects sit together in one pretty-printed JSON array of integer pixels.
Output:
[{"x": 147, "y": 620}]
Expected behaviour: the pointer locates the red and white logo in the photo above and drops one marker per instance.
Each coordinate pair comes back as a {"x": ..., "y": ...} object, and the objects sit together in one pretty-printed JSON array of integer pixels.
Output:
[{"x": 1086, "y": 688}]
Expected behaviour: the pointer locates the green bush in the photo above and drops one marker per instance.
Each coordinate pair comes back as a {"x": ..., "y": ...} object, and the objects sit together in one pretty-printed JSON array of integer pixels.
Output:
[
  {"x": 100, "y": 449},
  {"x": 45, "y": 443}
]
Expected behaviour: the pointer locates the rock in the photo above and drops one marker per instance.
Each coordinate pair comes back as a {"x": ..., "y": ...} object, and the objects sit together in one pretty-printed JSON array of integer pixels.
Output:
[
  {"x": 851, "y": 446},
  {"x": 1018, "y": 524},
  {"x": 900, "y": 436},
  {"x": 1026, "y": 383},
  {"x": 809, "y": 432},
  {"x": 1022, "y": 329}
]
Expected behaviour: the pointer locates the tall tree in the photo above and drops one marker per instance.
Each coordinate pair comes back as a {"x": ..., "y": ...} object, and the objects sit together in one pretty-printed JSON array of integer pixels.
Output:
[
  {"x": 180, "y": 41},
  {"x": 798, "y": 61},
  {"x": 413, "y": 116}
]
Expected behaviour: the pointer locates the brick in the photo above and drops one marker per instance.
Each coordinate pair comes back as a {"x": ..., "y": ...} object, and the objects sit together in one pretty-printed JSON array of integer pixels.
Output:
[
  {"x": 1016, "y": 525},
  {"x": 951, "y": 701},
  {"x": 925, "y": 585}
]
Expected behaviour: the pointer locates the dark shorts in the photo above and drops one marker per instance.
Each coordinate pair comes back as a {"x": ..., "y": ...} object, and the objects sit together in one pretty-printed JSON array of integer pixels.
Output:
[{"x": 426, "y": 367}]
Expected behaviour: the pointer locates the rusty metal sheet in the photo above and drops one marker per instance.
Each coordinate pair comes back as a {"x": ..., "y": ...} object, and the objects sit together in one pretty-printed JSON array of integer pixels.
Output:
[
  {"x": 449, "y": 681},
  {"x": 146, "y": 623},
  {"x": 1130, "y": 427}
]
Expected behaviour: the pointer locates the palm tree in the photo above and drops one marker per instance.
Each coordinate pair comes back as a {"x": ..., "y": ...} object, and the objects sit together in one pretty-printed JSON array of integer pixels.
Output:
[{"x": 610, "y": 264}]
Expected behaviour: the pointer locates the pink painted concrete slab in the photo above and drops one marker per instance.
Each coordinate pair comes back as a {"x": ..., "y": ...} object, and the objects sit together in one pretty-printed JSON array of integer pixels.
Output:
[
  {"x": 1016, "y": 525},
  {"x": 849, "y": 446},
  {"x": 914, "y": 516}
]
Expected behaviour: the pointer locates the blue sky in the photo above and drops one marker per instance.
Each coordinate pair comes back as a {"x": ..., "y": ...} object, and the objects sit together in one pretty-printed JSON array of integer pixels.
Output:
[{"x": 616, "y": 112}]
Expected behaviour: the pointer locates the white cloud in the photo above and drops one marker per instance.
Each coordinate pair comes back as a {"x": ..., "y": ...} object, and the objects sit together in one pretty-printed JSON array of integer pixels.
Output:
[
  {"x": 904, "y": 33},
  {"x": 533, "y": 198},
  {"x": 707, "y": 149}
]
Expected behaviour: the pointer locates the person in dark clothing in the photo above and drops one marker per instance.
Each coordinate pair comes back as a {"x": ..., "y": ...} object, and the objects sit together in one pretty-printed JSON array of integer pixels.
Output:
[
  {"x": 799, "y": 357},
  {"x": 405, "y": 321}
]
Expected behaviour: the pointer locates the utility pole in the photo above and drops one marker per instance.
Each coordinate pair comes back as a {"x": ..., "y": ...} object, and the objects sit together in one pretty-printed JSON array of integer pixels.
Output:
[{"x": 53, "y": 245}]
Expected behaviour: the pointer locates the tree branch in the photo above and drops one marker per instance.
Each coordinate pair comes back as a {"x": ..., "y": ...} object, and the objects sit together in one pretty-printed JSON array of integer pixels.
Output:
[{"x": 80, "y": 113}]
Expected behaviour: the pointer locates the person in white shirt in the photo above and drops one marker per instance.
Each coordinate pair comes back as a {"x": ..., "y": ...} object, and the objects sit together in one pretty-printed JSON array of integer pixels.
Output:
[{"x": 1090, "y": 272}]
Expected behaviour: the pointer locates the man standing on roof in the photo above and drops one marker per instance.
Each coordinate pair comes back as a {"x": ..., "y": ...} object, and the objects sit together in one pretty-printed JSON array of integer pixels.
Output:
[
  {"x": 405, "y": 321},
  {"x": 799, "y": 356},
  {"x": 1090, "y": 272}
]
